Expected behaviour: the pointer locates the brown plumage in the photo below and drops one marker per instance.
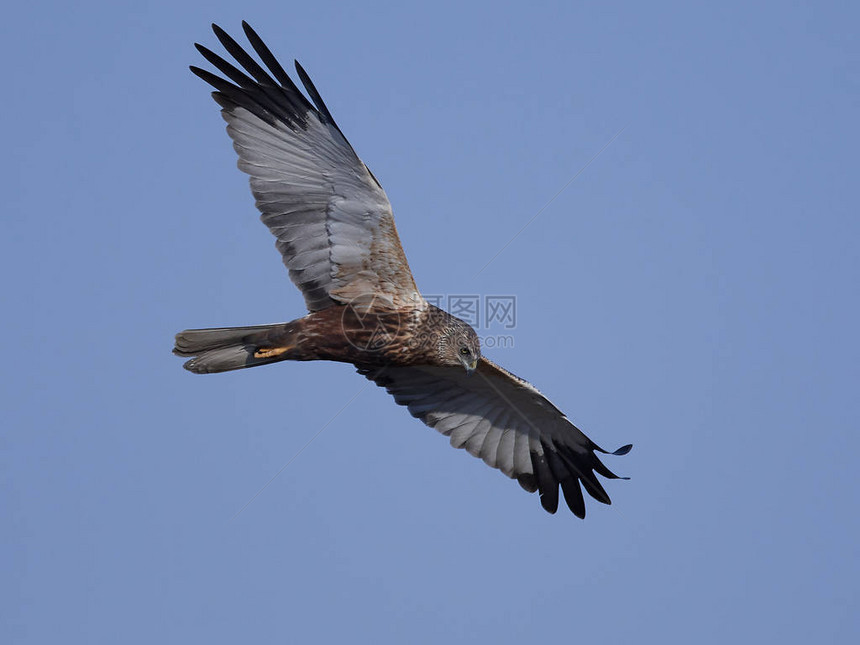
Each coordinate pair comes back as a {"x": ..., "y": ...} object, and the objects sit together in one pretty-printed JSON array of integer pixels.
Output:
[{"x": 336, "y": 235}]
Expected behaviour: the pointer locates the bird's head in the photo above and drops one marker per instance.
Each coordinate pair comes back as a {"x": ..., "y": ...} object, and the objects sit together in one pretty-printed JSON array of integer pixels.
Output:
[{"x": 460, "y": 345}]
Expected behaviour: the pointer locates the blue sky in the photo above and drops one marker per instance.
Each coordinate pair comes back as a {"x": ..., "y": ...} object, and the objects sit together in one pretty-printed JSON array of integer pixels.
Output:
[{"x": 693, "y": 291}]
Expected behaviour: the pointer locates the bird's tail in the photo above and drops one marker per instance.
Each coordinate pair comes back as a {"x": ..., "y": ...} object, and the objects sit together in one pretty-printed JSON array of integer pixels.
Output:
[{"x": 234, "y": 348}]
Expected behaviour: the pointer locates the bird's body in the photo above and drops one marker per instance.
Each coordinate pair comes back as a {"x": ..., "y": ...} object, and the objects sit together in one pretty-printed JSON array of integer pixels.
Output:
[
  {"x": 336, "y": 234},
  {"x": 369, "y": 337}
]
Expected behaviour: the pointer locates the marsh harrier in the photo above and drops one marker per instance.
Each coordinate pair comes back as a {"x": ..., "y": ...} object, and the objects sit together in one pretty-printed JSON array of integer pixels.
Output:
[{"x": 336, "y": 234}]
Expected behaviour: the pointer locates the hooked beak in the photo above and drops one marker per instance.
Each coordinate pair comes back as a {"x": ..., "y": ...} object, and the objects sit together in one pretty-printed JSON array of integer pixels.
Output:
[{"x": 471, "y": 367}]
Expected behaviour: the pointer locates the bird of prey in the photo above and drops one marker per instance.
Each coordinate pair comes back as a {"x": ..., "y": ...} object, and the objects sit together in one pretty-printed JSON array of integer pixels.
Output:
[{"x": 335, "y": 232}]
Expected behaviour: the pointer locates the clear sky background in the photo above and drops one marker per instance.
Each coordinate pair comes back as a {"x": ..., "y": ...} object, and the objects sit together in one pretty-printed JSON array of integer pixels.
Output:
[{"x": 693, "y": 291}]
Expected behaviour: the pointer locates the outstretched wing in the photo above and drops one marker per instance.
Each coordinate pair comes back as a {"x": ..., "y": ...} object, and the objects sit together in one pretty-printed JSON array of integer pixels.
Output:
[
  {"x": 333, "y": 221},
  {"x": 504, "y": 420}
]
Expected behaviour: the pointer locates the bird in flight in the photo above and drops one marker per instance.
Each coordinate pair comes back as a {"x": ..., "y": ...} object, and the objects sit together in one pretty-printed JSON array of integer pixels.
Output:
[{"x": 336, "y": 235}]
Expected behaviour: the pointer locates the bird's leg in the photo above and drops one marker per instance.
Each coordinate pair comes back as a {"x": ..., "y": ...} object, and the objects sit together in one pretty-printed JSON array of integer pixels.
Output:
[{"x": 270, "y": 352}]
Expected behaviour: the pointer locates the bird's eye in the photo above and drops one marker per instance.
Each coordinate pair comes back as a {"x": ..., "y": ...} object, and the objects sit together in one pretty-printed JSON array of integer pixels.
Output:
[{"x": 464, "y": 351}]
